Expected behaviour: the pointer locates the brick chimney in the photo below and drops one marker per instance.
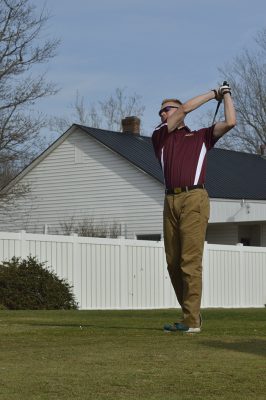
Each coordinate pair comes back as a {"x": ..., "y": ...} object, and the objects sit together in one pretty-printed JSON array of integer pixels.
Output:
[
  {"x": 131, "y": 125},
  {"x": 262, "y": 150}
]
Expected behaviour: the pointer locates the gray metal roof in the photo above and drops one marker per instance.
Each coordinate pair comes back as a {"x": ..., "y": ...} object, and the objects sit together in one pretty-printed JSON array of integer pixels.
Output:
[
  {"x": 235, "y": 175},
  {"x": 230, "y": 174}
]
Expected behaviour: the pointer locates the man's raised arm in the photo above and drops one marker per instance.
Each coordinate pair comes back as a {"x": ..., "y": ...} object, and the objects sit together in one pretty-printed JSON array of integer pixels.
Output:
[
  {"x": 229, "y": 122},
  {"x": 178, "y": 116}
]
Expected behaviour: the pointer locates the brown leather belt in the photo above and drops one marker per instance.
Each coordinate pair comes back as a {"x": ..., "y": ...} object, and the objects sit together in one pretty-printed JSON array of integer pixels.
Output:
[{"x": 178, "y": 190}]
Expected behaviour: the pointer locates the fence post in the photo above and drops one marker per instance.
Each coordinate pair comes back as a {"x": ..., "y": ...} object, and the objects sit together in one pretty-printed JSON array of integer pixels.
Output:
[
  {"x": 241, "y": 298},
  {"x": 76, "y": 270},
  {"x": 123, "y": 273},
  {"x": 206, "y": 276},
  {"x": 23, "y": 244}
]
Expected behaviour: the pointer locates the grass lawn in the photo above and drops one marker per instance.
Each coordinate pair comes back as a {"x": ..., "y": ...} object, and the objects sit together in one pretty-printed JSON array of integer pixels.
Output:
[{"x": 126, "y": 355}]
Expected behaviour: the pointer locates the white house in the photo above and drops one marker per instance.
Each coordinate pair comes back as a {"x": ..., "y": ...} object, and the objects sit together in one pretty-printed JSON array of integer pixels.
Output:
[{"x": 113, "y": 177}]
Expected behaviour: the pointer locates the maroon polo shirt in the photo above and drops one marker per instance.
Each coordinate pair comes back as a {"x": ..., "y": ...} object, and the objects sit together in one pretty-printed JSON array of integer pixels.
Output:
[{"x": 182, "y": 154}]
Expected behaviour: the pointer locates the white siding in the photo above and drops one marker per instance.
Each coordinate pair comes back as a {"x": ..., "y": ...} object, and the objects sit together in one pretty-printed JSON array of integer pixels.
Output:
[
  {"x": 82, "y": 178},
  {"x": 225, "y": 210}
]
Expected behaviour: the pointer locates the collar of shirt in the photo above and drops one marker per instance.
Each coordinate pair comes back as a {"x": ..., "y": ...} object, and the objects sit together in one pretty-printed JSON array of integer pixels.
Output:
[{"x": 185, "y": 128}]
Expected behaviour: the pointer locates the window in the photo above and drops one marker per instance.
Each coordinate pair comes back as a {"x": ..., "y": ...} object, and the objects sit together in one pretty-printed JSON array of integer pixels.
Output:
[{"x": 154, "y": 237}]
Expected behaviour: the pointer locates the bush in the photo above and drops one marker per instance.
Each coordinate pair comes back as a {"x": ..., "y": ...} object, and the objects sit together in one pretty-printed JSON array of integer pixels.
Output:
[{"x": 27, "y": 284}]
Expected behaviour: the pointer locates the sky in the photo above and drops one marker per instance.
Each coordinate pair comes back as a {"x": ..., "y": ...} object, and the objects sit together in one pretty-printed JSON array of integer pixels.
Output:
[{"x": 157, "y": 49}]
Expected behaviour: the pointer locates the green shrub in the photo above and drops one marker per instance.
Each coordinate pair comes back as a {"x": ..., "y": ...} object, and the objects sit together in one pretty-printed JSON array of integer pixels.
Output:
[{"x": 25, "y": 284}]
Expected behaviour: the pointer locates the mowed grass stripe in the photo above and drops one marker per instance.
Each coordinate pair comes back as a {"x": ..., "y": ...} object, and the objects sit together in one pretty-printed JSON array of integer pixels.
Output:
[{"x": 126, "y": 355}]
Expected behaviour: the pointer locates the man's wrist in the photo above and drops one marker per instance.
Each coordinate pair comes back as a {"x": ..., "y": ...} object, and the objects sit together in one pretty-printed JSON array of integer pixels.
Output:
[{"x": 215, "y": 93}]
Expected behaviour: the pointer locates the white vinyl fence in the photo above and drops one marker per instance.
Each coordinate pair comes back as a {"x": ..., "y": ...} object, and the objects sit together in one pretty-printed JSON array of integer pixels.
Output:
[{"x": 132, "y": 274}]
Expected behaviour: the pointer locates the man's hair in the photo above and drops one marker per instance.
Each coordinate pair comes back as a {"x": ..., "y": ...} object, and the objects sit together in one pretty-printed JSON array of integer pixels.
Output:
[{"x": 172, "y": 100}]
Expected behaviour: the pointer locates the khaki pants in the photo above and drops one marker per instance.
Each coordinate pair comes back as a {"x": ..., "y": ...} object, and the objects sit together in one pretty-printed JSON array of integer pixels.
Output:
[{"x": 185, "y": 221}]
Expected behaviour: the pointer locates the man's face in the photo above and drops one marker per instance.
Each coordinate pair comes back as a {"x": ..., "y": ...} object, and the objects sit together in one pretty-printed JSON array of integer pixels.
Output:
[{"x": 167, "y": 109}]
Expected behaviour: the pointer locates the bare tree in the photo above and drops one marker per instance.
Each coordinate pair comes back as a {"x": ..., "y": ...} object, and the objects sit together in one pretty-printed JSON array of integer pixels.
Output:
[
  {"x": 107, "y": 114},
  {"x": 22, "y": 47},
  {"x": 8, "y": 199},
  {"x": 89, "y": 228},
  {"x": 247, "y": 76}
]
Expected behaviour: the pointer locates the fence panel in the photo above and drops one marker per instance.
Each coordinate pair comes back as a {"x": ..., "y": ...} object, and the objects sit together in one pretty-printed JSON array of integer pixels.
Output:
[
  {"x": 131, "y": 274},
  {"x": 234, "y": 276}
]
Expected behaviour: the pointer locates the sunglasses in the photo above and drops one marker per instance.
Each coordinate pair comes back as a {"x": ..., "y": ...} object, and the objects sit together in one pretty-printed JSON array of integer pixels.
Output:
[{"x": 166, "y": 109}]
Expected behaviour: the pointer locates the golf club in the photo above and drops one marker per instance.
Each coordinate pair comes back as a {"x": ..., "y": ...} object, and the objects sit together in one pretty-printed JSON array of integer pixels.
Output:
[{"x": 218, "y": 105}]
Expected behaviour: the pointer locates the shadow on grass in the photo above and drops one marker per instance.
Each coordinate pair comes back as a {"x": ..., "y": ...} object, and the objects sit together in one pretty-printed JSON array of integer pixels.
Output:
[
  {"x": 255, "y": 346},
  {"x": 101, "y": 327}
]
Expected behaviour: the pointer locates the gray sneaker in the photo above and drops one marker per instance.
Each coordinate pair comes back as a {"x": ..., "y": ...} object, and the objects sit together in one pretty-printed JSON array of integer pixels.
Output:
[{"x": 179, "y": 327}]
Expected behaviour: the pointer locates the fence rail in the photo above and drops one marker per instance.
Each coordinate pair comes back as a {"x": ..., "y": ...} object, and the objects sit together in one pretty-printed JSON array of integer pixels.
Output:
[{"x": 132, "y": 274}]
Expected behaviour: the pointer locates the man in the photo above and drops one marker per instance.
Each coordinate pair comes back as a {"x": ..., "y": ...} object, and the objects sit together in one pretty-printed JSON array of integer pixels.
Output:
[{"x": 182, "y": 156}]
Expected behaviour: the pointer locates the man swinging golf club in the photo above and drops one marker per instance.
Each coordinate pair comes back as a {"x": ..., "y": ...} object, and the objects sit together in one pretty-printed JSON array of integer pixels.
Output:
[{"x": 182, "y": 156}]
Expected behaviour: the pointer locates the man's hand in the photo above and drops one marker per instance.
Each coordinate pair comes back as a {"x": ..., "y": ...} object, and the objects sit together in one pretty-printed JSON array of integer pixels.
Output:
[
  {"x": 224, "y": 88},
  {"x": 221, "y": 90}
]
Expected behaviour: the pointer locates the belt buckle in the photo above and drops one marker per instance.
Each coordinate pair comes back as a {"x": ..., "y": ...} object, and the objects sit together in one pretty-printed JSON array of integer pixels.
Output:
[{"x": 177, "y": 190}]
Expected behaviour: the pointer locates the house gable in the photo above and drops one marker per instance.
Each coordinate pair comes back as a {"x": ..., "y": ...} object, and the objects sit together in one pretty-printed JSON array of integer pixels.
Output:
[{"x": 80, "y": 178}]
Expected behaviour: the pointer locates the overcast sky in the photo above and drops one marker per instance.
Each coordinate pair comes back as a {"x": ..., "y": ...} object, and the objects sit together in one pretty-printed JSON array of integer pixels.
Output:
[{"x": 154, "y": 48}]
